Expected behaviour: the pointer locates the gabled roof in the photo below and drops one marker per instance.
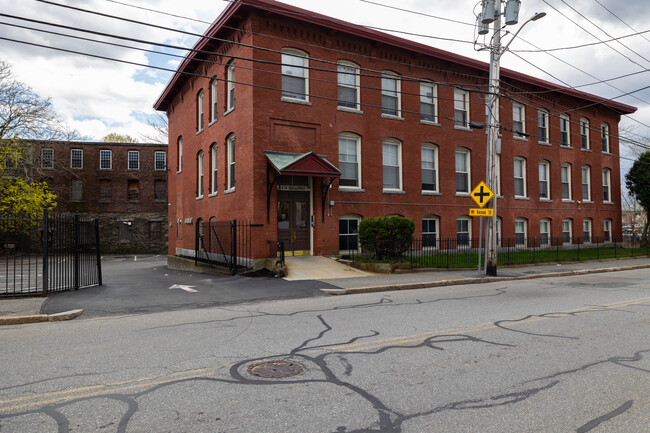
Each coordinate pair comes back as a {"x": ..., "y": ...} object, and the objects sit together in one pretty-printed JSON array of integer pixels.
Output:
[
  {"x": 301, "y": 164},
  {"x": 242, "y": 7}
]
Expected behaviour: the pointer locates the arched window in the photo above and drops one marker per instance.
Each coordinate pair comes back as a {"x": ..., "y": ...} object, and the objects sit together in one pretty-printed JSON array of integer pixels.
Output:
[
  {"x": 231, "y": 162},
  {"x": 348, "y": 85},
  {"x": 199, "y": 174},
  {"x": 179, "y": 152},
  {"x": 199, "y": 111},
  {"x": 213, "y": 99},
  {"x": 213, "y": 168}
]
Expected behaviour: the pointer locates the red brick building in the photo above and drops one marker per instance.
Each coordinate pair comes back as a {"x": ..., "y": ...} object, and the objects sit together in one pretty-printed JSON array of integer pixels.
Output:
[
  {"x": 123, "y": 185},
  {"x": 307, "y": 124}
]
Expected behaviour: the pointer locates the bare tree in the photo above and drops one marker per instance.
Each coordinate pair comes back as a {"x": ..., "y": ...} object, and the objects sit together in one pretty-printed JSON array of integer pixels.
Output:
[{"x": 159, "y": 129}]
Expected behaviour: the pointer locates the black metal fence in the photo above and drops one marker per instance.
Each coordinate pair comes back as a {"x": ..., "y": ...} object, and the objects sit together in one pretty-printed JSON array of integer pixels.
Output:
[
  {"x": 462, "y": 252},
  {"x": 225, "y": 244},
  {"x": 51, "y": 254}
]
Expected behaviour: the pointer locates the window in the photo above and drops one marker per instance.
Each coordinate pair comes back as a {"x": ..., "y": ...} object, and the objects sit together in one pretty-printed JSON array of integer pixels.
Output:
[
  {"x": 462, "y": 231},
  {"x": 349, "y": 148},
  {"x": 607, "y": 193},
  {"x": 461, "y": 108},
  {"x": 213, "y": 168},
  {"x": 390, "y": 94},
  {"x": 518, "y": 120},
  {"x": 604, "y": 137},
  {"x": 498, "y": 230},
  {"x": 520, "y": 232},
  {"x": 230, "y": 77},
  {"x": 566, "y": 231},
  {"x": 231, "y": 162},
  {"x": 430, "y": 231},
  {"x": 607, "y": 230},
  {"x": 544, "y": 231},
  {"x": 429, "y": 154},
  {"x": 199, "y": 175},
  {"x": 133, "y": 189},
  {"x": 214, "y": 85},
  {"x": 462, "y": 171},
  {"x": 391, "y": 159},
  {"x": 586, "y": 230},
  {"x": 160, "y": 160},
  {"x": 544, "y": 190},
  {"x": 160, "y": 190},
  {"x": 542, "y": 126},
  {"x": 10, "y": 158},
  {"x": 584, "y": 133},
  {"x": 134, "y": 160},
  {"x": 76, "y": 190},
  {"x": 565, "y": 130},
  {"x": 105, "y": 160},
  {"x": 179, "y": 151},
  {"x": 520, "y": 177},
  {"x": 76, "y": 158},
  {"x": 349, "y": 232},
  {"x": 105, "y": 190},
  {"x": 586, "y": 183},
  {"x": 428, "y": 108},
  {"x": 295, "y": 74},
  {"x": 497, "y": 168},
  {"x": 199, "y": 111},
  {"x": 47, "y": 158},
  {"x": 348, "y": 85},
  {"x": 125, "y": 231},
  {"x": 565, "y": 177},
  {"x": 155, "y": 230}
]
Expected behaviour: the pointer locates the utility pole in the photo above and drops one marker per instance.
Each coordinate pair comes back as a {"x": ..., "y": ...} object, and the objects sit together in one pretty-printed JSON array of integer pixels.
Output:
[{"x": 491, "y": 13}]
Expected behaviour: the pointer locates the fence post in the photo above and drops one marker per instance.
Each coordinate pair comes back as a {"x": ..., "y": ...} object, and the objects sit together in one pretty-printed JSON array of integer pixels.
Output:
[
  {"x": 76, "y": 251},
  {"x": 578, "y": 250},
  {"x": 45, "y": 251},
  {"x": 233, "y": 250},
  {"x": 99, "y": 256}
]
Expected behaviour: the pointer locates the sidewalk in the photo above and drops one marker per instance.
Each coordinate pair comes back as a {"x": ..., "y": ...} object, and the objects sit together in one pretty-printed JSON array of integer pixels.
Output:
[{"x": 328, "y": 275}]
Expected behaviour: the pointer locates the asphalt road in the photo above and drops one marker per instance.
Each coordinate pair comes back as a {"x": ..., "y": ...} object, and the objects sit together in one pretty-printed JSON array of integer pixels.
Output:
[
  {"x": 545, "y": 355},
  {"x": 144, "y": 284}
]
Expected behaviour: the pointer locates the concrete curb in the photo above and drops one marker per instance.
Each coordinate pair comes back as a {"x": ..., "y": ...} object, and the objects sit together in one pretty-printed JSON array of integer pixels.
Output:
[
  {"x": 37, "y": 318},
  {"x": 476, "y": 280}
]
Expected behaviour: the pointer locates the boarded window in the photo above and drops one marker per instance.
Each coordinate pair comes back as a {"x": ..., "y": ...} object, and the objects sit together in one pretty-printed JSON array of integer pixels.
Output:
[{"x": 133, "y": 189}]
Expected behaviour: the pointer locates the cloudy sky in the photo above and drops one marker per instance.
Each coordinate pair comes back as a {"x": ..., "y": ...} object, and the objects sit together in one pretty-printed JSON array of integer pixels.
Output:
[{"x": 98, "y": 96}]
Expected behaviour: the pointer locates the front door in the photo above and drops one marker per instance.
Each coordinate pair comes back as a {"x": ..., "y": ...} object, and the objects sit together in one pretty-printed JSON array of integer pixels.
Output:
[{"x": 293, "y": 221}]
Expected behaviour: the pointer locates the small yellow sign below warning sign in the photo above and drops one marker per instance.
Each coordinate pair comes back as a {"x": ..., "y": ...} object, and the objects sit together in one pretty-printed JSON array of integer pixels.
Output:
[
  {"x": 481, "y": 194},
  {"x": 481, "y": 212}
]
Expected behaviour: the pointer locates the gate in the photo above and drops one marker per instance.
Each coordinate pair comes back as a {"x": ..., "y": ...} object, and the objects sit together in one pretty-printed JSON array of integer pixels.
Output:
[
  {"x": 224, "y": 243},
  {"x": 52, "y": 254}
]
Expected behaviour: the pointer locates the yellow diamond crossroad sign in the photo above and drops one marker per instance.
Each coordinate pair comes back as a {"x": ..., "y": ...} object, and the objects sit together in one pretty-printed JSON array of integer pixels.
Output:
[{"x": 481, "y": 194}]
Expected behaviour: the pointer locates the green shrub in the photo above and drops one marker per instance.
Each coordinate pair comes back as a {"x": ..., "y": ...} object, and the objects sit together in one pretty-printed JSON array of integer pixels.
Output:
[{"x": 387, "y": 238}]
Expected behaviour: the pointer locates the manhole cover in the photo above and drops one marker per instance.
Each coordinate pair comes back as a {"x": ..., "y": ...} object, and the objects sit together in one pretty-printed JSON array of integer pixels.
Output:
[{"x": 275, "y": 369}]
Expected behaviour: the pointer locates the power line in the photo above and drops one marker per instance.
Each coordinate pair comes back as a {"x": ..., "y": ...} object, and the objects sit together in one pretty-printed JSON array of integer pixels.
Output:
[{"x": 621, "y": 20}]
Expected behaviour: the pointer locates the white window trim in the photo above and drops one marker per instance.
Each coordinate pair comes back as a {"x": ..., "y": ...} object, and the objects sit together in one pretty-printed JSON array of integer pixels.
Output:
[
  {"x": 522, "y": 113},
  {"x": 164, "y": 160},
  {"x": 568, "y": 166},
  {"x": 469, "y": 229},
  {"x": 179, "y": 150},
  {"x": 398, "y": 93},
  {"x": 604, "y": 128},
  {"x": 607, "y": 222},
  {"x": 214, "y": 93},
  {"x": 434, "y": 93},
  {"x": 110, "y": 159},
  {"x": 584, "y": 124},
  {"x": 607, "y": 181},
  {"x": 231, "y": 162},
  {"x": 548, "y": 233},
  {"x": 570, "y": 222},
  {"x": 400, "y": 186},
  {"x": 468, "y": 163},
  {"x": 568, "y": 130},
  {"x": 351, "y": 217},
  {"x": 465, "y": 99},
  {"x": 294, "y": 52},
  {"x": 50, "y": 159},
  {"x": 357, "y": 138},
  {"x": 433, "y": 147},
  {"x": 591, "y": 230},
  {"x": 357, "y": 85},
  {"x": 82, "y": 158},
  {"x": 548, "y": 138},
  {"x": 199, "y": 175},
  {"x": 230, "y": 88},
  {"x": 547, "y": 171},
  {"x": 199, "y": 111},
  {"x": 525, "y": 233},
  {"x": 582, "y": 182},
  {"x": 128, "y": 159},
  {"x": 214, "y": 167},
  {"x": 523, "y": 174},
  {"x": 435, "y": 218}
]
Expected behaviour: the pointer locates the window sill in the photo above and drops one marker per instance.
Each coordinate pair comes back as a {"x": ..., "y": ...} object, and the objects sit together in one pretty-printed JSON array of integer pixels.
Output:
[
  {"x": 105, "y": 169},
  {"x": 159, "y": 169},
  {"x": 587, "y": 202},
  {"x": 392, "y": 117},
  {"x": 198, "y": 132},
  {"x": 212, "y": 122},
  {"x": 230, "y": 110},
  {"x": 350, "y": 189},
  {"x": 586, "y": 150},
  {"x": 349, "y": 110},
  {"x": 214, "y": 194},
  {"x": 432, "y": 193},
  {"x": 607, "y": 153},
  {"x": 463, "y": 128},
  {"x": 514, "y": 137},
  {"x": 393, "y": 191},
  {"x": 199, "y": 198},
  {"x": 544, "y": 143},
  {"x": 522, "y": 198},
  {"x": 566, "y": 200},
  {"x": 568, "y": 146},
  {"x": 132, "y": 169},
  {"x": 295, "y": 101},
  {"x": 462, "y": 194},
  {"x": 179, "y": 171},
  {"x": 229, "y": 191},
  {"x": 545, "y": 200},
  {"x": 608, "y": 202},
  {"x": 429, "y": 122}
]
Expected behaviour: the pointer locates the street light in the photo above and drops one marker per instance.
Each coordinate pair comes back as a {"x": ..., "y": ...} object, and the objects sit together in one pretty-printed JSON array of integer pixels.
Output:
[{"x": 493, "y": 148}]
